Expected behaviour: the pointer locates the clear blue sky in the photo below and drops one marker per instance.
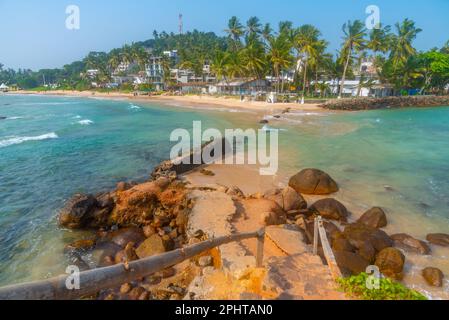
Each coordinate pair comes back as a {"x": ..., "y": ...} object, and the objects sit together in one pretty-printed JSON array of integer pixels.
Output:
[{"x": 33, "y": 33}]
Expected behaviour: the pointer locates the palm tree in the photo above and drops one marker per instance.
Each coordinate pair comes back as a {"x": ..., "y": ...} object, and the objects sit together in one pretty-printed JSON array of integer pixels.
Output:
[
  {"x": 234, "y": 67},
  {"x": 253, "y": 57},
  {"x": 166, "y": 64},
  {"x": 141, "y": 56},
  {"x": 380, "y": 40},
  {"x": 114, "y": 59},
  {"x": 266, "y": 32},
  {"x": 279, "y": 55},
  {"x": 219, "y": 65},
  {"x": 235, "y": 31},
  {"x": 353, "y": 41},
  {"x": 402, "y": 47},
  {"x": 253, "y": 26},
  {"x": 307, "y": 44}
]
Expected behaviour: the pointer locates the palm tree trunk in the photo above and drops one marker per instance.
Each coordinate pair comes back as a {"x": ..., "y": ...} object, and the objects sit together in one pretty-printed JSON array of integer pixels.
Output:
[
  {"x": 344, "y": 75},
  {"x": 304, "y": 82}
]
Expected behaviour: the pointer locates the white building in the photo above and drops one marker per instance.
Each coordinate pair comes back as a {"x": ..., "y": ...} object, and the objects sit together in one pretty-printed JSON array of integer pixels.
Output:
[
  {"x": 4, "y": 88},
  {"x": 350, "y": 88}
]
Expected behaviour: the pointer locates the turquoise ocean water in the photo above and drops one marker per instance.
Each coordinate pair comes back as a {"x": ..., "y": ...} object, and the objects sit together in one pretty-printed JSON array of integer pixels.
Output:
[{"x": 52, "y": 147}]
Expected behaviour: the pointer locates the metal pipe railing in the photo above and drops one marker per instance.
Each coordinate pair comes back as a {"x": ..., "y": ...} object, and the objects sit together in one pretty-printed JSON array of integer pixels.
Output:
[
  {"x": 320, "y": 231},
  {"x": 93, "y": 281}
]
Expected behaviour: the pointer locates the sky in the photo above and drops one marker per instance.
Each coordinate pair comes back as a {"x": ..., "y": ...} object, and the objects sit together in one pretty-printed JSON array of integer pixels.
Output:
[{"x": 34, "y": 34}]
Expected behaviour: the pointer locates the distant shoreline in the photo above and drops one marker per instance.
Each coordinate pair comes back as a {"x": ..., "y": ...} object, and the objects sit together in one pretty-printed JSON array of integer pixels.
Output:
[{"x": 195, "y": 100}]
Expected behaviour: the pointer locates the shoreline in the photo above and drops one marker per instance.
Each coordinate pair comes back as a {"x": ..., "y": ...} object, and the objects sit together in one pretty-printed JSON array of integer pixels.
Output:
[{"x": 182, "y": 101}]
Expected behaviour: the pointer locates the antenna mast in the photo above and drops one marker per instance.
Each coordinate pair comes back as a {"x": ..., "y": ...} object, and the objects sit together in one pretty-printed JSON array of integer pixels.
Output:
[{"x": 181, "y": 24}]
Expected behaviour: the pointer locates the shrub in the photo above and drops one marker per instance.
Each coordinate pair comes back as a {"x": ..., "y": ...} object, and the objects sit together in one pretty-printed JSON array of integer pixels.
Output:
[{"x": 355, "y": 286}]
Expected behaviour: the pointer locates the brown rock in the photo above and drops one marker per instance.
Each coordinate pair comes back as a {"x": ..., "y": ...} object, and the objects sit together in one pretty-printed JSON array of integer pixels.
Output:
[
  {"x": 342, "y": 244},
  {"x": 313, "y": 181},
  {"x": 136, "y": 205},
  {"x": 408, "y": 243},
  {"x": 124, "y": 289},
  {"x": 76, "y": 212},
  {"x": 136, "y": 293},
  {"x": 150, "y": 247},
  {"x": 439, "y": 239},
  {"x": 391, "y": 263},
  {"x": 123, "y": 186},
  {"x": 124, "y": 236},
  {"x": 433, "y": 276},
  {"x": 351, "y": 263},
  {"x": 358, "y": 234},
  {"x": 148, "y": 231},
  {"x": 330, "y": 209},
  {"x": 130, "y": 252},
  {"x": 292, "y": 200},
  {"x": 374, "y": 217}
]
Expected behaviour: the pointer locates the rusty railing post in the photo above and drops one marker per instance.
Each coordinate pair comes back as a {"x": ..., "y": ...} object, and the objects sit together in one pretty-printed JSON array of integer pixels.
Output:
[{"x": 260, "y": 247}]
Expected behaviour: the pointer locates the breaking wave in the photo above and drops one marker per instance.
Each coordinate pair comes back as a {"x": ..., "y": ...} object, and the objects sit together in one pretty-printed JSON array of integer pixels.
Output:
[{"x": 19, "y": 140}]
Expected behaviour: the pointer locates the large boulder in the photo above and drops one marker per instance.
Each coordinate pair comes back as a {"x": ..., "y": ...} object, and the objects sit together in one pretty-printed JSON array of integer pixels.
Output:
[
  {"x": 313, "y": 181},
  {"x": 154, "y": 245},
  {"x": 136, "y": 205},
  {"x": 433, "y": 276},
  {"x": 360, "y": 234},
  {"x": 292, "y": 200},
  {"x": 351, "y": 263},
  {"x": 391, "y": 263},
  {"x": 439, "y": 239},
  {"x": 374, "y": 217},
  {"x": 330, "y": 209},
  {"x": 410, "y": 244},
  {"x": 124, "y": 236},
  {"x": 76, "y": 212}
]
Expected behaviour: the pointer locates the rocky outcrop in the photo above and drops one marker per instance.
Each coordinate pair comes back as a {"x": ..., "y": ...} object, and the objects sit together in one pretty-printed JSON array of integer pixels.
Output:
[
  {"x": 288, "y": 199},
  {"x": 359, "y": 235},
  {"x": 186, "y": 163},
  {"x": 374, "y": 217},
  {"x": 313, "y": 182},
  {"x": 330, "y": 209},
  {"x": 154, "y": 245},
  {"x": 439, "y": 239},
  {"x": 353, "y": 104},
  {"x": 433, "y": 276},
  {"x": 77, "y": 211},
  {"x": 410, "y": 244},
  {"x": 149, "y": 204},
  {"x": 350, "y": 263},
  {"x": 391, "y": 263}
]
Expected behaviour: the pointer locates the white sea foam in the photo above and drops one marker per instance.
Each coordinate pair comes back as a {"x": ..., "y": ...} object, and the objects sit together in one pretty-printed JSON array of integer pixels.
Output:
[
  {"x": 77, "y": 117},
  {"x": 86, "y": 122},
  {"x": 14, "y": 118},
  {"x": 268, "y": 128},
  {"x": 134, "y": 107},
  {"x": 18, "y": 140}
]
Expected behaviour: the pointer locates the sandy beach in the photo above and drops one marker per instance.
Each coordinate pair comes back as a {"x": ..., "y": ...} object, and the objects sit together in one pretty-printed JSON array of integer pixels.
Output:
[{"x": 190, "y": 100}]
